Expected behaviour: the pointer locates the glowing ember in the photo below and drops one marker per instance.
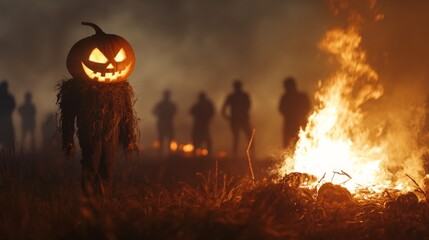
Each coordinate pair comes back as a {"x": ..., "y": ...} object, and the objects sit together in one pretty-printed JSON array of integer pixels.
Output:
[
  {"x": 202, "y": 152},
  {"x": 335, "y": 145},
  {"x": 188, "y": 148},
  {"x": 222, "y": 154},
  {"x": 173, "y": 146}
]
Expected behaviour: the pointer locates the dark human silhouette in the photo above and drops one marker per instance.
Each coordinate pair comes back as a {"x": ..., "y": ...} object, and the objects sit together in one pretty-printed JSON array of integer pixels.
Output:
[
  {"x": 294, "y": 107},
  {"x": 7, "y": 105},
  {"x": 27, "y": 111},
  {"x": 165, "y": 111},
  {"x": 202, "y": 112},
  {"x": 236, "y": 110}
]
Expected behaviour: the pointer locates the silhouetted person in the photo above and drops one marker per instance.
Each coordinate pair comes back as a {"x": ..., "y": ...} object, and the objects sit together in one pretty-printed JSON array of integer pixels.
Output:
[
  {"x": 7, "y": 105},
  {"x": 294, "y": 107},
  {"x": 27, "y": 111},
  {"x": 202, "y": 112},
  {"x": 165, "y": 111},
  {"x": 236, "y": 110}
]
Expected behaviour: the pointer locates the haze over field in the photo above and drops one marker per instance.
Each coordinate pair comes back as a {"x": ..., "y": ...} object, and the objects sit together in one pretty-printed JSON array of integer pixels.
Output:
[{"x": 189, "y": 46}]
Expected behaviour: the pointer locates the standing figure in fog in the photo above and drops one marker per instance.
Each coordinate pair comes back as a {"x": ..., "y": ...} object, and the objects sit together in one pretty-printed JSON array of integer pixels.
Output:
[
  {"x": 27, "y": 111},
  {"x": 165, "y": 111},
  {"x": 99, "y": 100},
  {"x": 7, "y": 105},
  {"x": 294, "y": 107},
  {"x": 203, "y": 112},
  {"x": 236, "y": 110}
]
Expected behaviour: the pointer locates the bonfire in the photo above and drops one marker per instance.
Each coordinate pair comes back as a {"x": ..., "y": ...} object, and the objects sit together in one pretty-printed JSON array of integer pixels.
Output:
[{"x": 347, "y": 178}]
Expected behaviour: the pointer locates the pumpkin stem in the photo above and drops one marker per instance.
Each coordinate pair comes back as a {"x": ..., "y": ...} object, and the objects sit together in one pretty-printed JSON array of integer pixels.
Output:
[{"x": 96, "y": 28}]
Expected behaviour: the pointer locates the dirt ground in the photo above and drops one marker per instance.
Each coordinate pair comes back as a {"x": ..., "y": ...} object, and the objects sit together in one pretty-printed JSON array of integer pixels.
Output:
[{"x": 180, "y": 197}]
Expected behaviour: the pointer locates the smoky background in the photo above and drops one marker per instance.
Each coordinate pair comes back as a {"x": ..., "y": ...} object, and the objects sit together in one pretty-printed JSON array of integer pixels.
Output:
[{"x": 192, "y": 46}]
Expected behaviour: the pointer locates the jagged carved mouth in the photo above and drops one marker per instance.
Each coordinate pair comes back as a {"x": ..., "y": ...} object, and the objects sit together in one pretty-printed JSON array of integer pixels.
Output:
[{"x": 109, "y": 77}]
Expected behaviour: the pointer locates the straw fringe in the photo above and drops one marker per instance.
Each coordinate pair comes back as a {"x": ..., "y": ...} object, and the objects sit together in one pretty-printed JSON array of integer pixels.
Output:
[{"x": 100, "y": 109}]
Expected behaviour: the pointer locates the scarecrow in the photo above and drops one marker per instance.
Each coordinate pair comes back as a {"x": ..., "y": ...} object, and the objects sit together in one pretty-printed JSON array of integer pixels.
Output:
[{"x": 99, "y": 100}]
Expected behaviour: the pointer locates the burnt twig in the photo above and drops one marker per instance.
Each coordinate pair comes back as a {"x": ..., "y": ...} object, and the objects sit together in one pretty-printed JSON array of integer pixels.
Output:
[
  {"x": 419, "y": 189},
  {"x": 323, "y": 177},
  {"x": 341, "y": 173}
]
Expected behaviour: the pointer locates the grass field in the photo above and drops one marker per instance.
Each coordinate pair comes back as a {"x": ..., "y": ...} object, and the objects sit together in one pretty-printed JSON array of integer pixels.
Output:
[{"x": 186, "y": 198}]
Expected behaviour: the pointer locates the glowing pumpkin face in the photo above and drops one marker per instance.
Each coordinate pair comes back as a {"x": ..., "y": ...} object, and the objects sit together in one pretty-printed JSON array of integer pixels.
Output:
[{"x": 102, "y": 57}]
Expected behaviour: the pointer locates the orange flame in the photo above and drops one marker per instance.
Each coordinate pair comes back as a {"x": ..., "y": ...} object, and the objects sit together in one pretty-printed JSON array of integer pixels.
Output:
[{"x": 335, "y": 145}]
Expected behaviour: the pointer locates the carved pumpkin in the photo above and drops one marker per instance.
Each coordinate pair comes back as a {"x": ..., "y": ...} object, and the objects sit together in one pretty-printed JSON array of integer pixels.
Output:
[{"x": 102, "y": 57}]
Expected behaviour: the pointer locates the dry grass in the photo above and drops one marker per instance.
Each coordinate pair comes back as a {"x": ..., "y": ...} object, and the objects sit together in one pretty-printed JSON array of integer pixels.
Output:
[{"x": 181, "y": 198}]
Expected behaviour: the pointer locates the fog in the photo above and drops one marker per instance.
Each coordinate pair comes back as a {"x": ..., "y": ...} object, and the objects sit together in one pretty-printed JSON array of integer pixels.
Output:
[{"x": 192, "y": 46}]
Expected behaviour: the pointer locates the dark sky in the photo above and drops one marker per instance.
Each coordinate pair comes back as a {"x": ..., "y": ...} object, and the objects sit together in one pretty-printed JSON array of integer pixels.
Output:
[{"x": 190, "y": 46}]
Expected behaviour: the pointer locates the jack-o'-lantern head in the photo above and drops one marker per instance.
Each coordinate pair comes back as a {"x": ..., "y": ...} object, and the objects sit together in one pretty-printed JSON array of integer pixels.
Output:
[{"x": 102, "y": 57}]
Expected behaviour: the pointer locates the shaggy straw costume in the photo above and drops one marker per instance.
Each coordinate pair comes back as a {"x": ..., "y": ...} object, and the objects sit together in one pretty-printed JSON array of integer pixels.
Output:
[{"x": 105, "y": 119}]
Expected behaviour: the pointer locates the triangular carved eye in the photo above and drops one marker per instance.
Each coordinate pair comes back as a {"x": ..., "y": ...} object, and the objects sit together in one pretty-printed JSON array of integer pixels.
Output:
[
  {"x": 120, "y": 56},
  {"x": 97, "y": 56}
]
